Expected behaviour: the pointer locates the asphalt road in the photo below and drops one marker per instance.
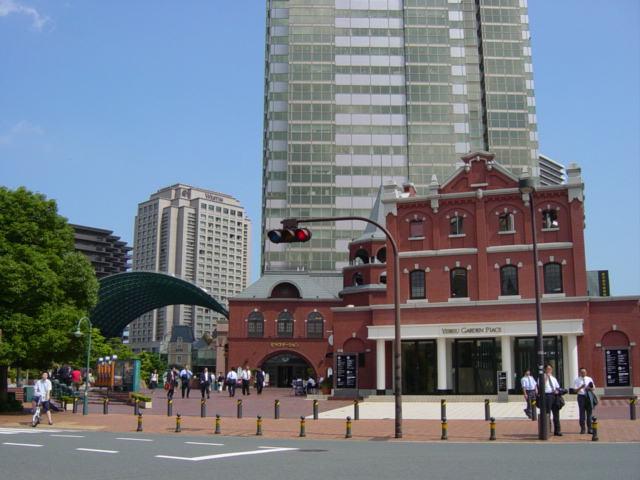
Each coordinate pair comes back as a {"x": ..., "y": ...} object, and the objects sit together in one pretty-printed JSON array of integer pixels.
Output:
[{"x": 88, "y": 455}]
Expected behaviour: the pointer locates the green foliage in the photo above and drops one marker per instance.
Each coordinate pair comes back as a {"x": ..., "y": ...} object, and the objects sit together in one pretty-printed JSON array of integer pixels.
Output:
[
  {"x": 45, "y": 286},
  {"x": 150, "y": 362},
  {"x": 138, "y": 396},
  {"x": 11, "y": 405}
]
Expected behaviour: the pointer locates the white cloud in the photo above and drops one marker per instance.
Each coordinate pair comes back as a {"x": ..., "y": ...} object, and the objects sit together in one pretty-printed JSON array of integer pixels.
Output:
[
  {"x": 7, "y": 7},
  {"x": 21, "y": 128}
]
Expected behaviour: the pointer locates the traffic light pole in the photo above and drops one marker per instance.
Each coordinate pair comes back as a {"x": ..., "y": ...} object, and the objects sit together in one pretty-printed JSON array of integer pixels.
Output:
[{"x": 397, "y": 352}]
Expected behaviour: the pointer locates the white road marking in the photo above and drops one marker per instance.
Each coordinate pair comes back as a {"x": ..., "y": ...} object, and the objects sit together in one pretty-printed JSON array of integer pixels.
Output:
[
  {"x": 202, "y": 443},
  {"x": 66, "y": 436},
  {"x": 226, "y": 455},
  {"x": 22, "y": 444},
  {"x": 96, "y": 450},
  {"x": 135, "y": 439},
  {"x": 14, "y": 431}
]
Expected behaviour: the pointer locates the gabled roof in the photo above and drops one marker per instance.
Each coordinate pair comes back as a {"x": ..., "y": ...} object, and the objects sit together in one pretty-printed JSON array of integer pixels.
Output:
[
  {"x": 183, "y": 332},
  {"x": 308, "y": 286},
  {"x": 482, "y": 170},
  {"x": 371, "y": 232}
]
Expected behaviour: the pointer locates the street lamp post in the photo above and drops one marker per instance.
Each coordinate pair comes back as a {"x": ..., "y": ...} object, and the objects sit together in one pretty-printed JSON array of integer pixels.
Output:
[
  {"x": 293, "y": 222},
  {"x": 527, "y": 186},
  {"x": 78, "y": 334}
]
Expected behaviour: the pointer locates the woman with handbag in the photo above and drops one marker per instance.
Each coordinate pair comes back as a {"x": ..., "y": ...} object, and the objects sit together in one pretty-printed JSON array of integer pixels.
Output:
[
  {"x": 553, "y": 398},
  {"x": 586, "y": 399}
]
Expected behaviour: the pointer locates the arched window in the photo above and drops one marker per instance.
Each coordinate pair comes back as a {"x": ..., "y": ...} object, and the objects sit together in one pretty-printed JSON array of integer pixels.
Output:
[
  {"x": 361, "y": 257},
  {"x": 285, "y": 325},
  {"x": 459, "y": 283},
  {"x": 416, "y": 228},
  {"x": 285, "y": 290},
  {"x": 315, "y": 325},
  {"x": 506, "y": 222},
  {"x": 255, "y": 325},
  {"x": 358, "y": 279},
  {"x": 553, "y": 278},
  {"x": 509, "y": 280},
  {"x": 382, "y": 255},
  {"x": 417, "y": 284},
  {"x": 549, "y": 219},
  {"x": 456, "y": 225}
]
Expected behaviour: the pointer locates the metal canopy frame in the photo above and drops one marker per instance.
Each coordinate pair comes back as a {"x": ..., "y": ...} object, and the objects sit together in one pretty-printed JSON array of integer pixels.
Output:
[{"x": 123, "y": 297}]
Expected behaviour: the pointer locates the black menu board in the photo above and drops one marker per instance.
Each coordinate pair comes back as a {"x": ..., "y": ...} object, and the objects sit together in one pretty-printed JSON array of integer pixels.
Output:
[
  {"x": 617, "y": 366},
  {"x": 502, "y": 381},
  {"x": 347, "y": 371}
]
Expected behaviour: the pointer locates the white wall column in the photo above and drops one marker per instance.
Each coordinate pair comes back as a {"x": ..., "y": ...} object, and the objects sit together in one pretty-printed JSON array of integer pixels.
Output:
[
  {"x": 572, "y": 356},
  {"x": 505, "y": 343},
  {"x": 441, "y": 343},
  {"x": 380, "y": 364}
]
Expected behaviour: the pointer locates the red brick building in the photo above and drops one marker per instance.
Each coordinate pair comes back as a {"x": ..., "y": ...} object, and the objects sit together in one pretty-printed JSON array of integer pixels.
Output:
[{"x": 466, "y": 294}]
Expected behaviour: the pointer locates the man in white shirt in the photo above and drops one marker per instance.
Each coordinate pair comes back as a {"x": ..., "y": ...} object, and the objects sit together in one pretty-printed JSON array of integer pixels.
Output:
[
  {"x": 529, "y": 390},
  {"x": 551, "y": 390},
  {"x": 245, "y": 376},
  {"x": 185, "y": 377},
  {"x": 42, "y": 393},
  {"x": 582, "y": 385},
  {"x": 232, "y": 380}
]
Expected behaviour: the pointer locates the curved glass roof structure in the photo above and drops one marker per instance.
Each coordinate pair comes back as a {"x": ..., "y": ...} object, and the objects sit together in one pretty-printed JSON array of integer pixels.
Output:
[{"x": 125, "y": 296}]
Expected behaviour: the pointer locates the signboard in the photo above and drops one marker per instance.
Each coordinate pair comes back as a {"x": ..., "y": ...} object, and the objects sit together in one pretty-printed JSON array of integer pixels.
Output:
[
  {"x": 502, "y": 381},
  {"x": 603, "y": 283},
  {"x": 617, "y": 367},
  {"x": 347, "y": 370}
]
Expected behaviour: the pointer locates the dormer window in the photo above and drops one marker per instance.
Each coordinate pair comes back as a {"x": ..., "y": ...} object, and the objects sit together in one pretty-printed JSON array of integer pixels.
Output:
[
  {"x": 416, "y": 228},
  {"x": 549, "y": 219},
  {"x": 506, "y": 222},
  {"x": 456, "y": 225}
]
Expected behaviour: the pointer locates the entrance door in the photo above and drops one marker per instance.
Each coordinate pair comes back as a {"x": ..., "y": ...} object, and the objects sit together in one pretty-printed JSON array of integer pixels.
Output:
[
  {"x": 526, "y": 357},
  {"x": 419, "y": 367},
  {"x": 286, "y": 367},
  {"x": 474, "y": 361}
]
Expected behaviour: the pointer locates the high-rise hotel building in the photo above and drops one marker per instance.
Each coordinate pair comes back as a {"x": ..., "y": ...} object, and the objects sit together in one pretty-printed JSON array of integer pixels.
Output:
[
  {"x": 198, "y": 235},
  {"x": 358, "y": 92}
]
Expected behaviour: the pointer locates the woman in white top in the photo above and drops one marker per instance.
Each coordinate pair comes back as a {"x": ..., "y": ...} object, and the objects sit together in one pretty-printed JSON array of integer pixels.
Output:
[
  {"x": 551, "y": 391},
  {"x": 582, "y": 385}
]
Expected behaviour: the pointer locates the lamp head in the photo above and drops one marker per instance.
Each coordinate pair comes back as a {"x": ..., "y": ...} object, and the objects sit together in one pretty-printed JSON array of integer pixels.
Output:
[
  {"x": 78, "y": 333},
  {"x": 526, "y": 185}
]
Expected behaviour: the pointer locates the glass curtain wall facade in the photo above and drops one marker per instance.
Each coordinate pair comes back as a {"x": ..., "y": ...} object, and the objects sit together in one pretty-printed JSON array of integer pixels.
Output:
[{"x": 358, "y": 92}]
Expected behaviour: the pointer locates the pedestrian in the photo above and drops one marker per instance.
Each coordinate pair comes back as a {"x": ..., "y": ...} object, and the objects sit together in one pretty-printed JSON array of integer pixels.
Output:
[
  {"x": 42, "y": 394},
  {"x": 232, "y": 380},
  {"x": 220, "y": 381},
  {"x": 76, "y": 378},
  {"x": 259, "y": 380},
  {"x": 205, "y": 382},
  {"x": 584, "y": 386},
  {"x": 552, "y": 398},
  {"x": 245, "y": 376},
  {"x": 185, "y": 378},
  {"x": 529, "y": 390},
  {"x": 171, "y": 383},
  {"x": 311, "y": 385},
  {"x": 153, "y": 383}
]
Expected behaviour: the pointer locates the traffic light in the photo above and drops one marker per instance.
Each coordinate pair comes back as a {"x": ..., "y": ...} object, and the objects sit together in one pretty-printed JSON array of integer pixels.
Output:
[{"x": 289, "y": 235}]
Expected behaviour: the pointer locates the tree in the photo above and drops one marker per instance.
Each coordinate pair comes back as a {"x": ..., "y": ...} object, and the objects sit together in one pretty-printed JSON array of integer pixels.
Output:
[{"x": 45, "y": 285}]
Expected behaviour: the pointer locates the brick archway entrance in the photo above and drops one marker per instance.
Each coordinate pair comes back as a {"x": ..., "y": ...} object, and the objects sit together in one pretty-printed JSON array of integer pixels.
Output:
[{"x": 283, "y": 367}]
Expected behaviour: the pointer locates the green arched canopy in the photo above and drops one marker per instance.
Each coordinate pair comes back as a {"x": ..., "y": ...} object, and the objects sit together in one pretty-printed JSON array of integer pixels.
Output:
[{"x": 125, "y": 296}]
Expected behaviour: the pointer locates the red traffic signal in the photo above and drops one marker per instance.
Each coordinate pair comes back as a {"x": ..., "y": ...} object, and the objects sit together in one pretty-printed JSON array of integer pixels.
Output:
[{"x": 289, "y": 235}]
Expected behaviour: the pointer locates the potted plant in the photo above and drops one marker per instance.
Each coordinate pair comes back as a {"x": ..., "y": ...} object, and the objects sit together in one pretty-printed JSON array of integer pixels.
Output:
[
  {"x": 67, "y": 403},
  {"x": 326, "y": 385}
]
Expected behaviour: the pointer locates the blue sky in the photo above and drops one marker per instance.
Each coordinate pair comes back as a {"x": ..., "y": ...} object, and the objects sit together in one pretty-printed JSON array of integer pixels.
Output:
[{"x": 103, "y": 103}]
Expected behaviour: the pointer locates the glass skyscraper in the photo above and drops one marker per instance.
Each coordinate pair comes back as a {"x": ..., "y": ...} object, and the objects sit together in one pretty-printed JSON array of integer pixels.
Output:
[{"x": 359, "y": 92}]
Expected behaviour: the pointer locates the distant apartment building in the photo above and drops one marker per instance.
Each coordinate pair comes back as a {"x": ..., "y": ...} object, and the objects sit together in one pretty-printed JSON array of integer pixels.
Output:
[
  {"x": 198, "y": 235},
  {"x": 551, "y": 172},
  {"x": 106, "y": 252}
]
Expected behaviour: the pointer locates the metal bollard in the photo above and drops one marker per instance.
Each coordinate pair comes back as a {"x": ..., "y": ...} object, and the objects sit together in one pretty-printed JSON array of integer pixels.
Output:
[
  {"x": 594, "y": 428},
  {"x": 139, "y": 429},
  {"x": 105, "y": 406},
  {"x": 259, "y": 426},
  {"x": 303, "y": 432},
  {"x": 239, "y": 413},
  {"x": 276, "y": 409},
  {"x": 445, "y": 435},
  {"x": 178, "y": 424},
  {"x": 443, "y": 409},
  {"x": 348, "y": 434},
  {"x": 203, "y": 408},
  {"x": 632, "y": 408},
  {"x": 169, "y": 408},
  {"x": 492, "y": 429},
  {"x": 487, "y": 409},
  {"x": 315, "y": 409},
  {"x": 136, "y": 407},
  {"x": 356, "y": 410},
  {"x": 217, "y": 431},
  {"x": 75, "y": 405},
  {"x": 534, "y": 410}
]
